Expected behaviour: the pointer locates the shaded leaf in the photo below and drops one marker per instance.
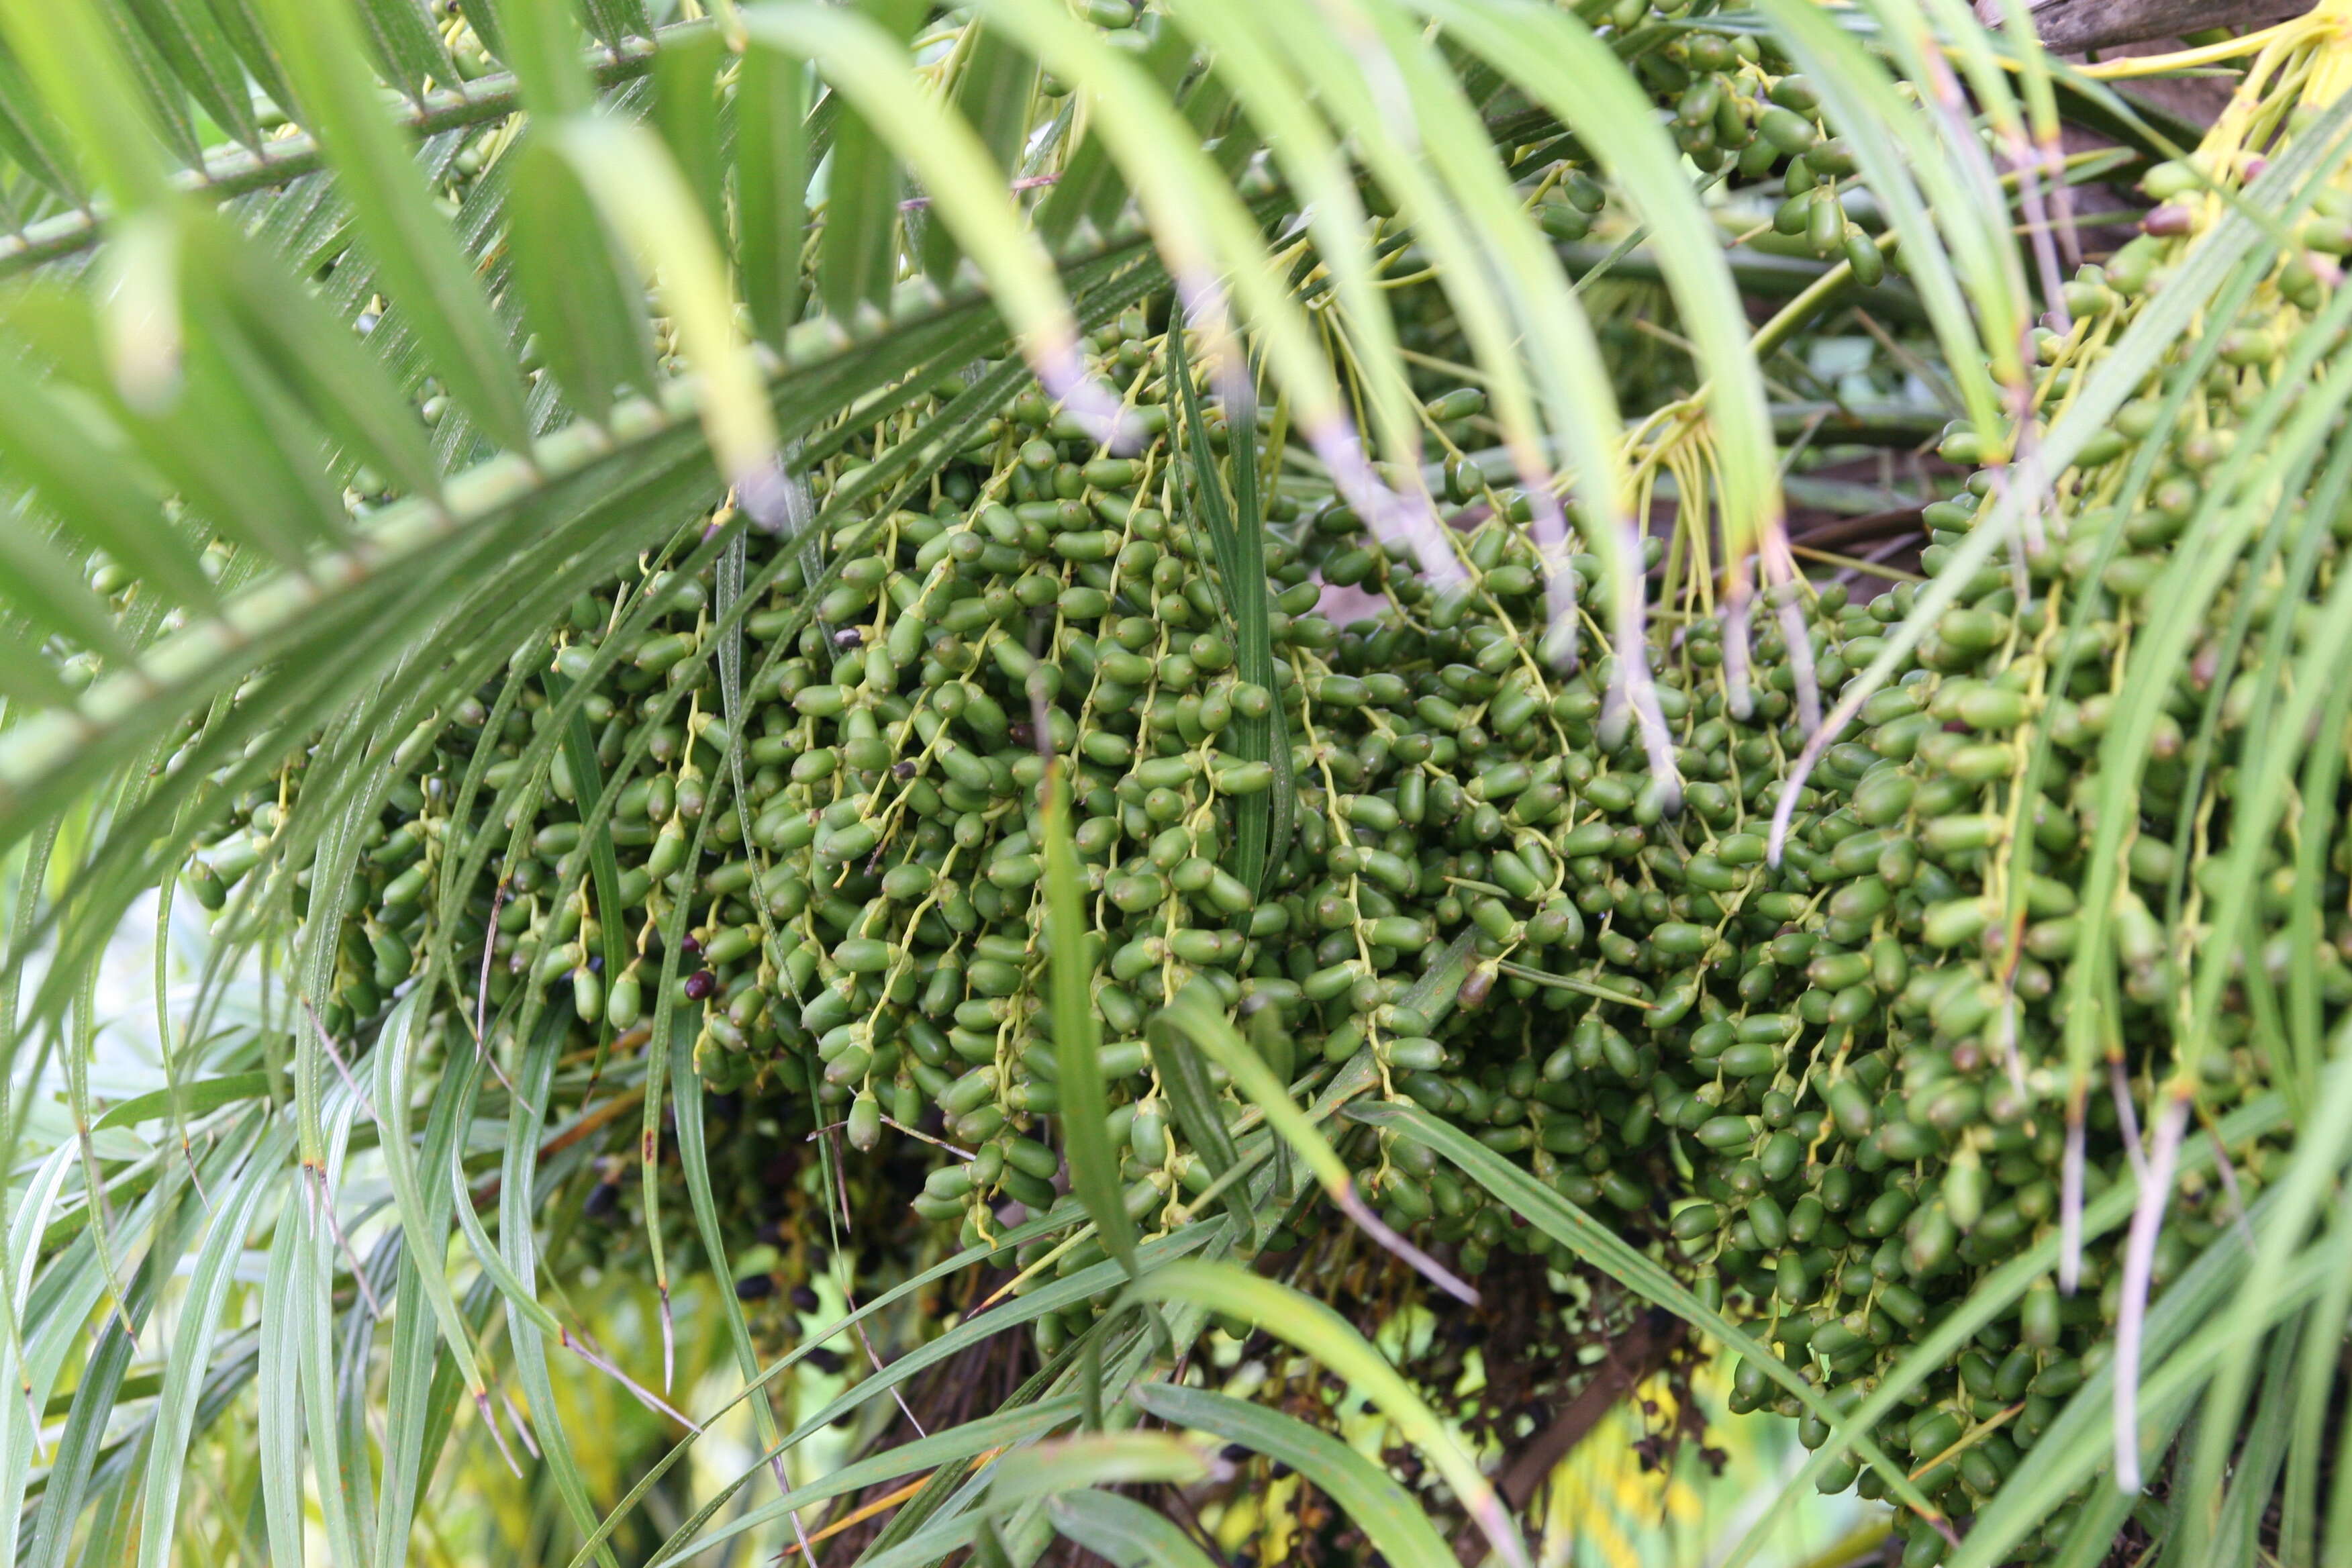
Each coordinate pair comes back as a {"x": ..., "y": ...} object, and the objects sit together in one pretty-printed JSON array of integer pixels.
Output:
[
  {"x": 590, "y": 326},
  {"x": 420, "y": 267},
  {"x": 1309, "y": 1325},
  {"x": 1090, "y": 189},
  {"x": 857, "y": 258},
  {"x": 1091, "y": 1460},
  {"x": 1123, "y": 1531},
  {"x": 771, "y": 175},
  {"x": 190, "y": 36},
  {"x": 1236, "y": 530},
  {"x": 406, "y": 43},
  {"x": 994, "y": 89},
  {"x": 540, "y": 39},
  {"x": 1086, "y": 1110},
  {"x": 1371, "y": 1498},
  {"x": 686, "y": 111},
  {"x": 189, "y": 1101}
]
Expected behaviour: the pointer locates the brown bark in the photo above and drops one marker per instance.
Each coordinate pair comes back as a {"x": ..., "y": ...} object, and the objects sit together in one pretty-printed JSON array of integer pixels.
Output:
[{"x": 2071, "y": 26}]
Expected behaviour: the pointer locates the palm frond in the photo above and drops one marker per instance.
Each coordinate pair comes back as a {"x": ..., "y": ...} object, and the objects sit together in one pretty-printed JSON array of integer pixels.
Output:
[{"x": 426, "y": 434}]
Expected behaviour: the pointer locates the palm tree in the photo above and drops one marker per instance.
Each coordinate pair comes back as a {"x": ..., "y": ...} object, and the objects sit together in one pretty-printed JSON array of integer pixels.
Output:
[{"x": 435, "y": 437}]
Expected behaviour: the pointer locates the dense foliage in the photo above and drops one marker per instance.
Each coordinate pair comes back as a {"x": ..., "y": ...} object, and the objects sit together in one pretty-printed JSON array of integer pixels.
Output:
[{"x": 1019, "y": 728}]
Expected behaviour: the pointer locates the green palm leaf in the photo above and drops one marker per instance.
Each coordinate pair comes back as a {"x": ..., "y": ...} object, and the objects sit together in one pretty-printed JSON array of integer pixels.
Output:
[{"x": 383, "y": 382}]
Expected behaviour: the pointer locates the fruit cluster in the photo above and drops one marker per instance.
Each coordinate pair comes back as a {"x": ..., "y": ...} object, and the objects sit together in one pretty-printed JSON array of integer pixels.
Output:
[
  {"x": 1833, "y": 1086},
  {"x": 1735, "y": 108}
]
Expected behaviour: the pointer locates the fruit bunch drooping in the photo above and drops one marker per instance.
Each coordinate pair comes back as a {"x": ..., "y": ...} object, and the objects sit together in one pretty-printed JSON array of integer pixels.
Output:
[{"x": 1833, "y": 1090}]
